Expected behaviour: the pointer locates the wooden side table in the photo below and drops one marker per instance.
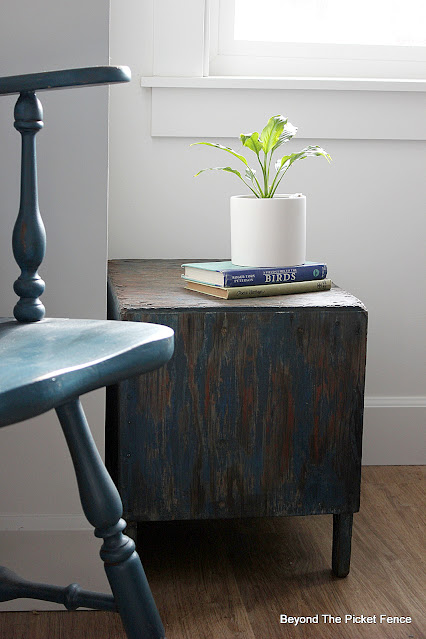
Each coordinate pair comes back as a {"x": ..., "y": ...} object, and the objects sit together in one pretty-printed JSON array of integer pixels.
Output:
[{"x": 258, "y": 413}]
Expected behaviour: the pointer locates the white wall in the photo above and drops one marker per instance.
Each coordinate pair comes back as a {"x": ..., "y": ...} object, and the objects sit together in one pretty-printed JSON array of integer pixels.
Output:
[
  {"x": 37, "y": 483},
  {"x": 365, "y": 219}
]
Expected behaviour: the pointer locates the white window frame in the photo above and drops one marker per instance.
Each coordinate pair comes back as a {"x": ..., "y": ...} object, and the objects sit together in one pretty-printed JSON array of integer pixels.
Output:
[
  {"x": 187, "y": 101},
  {"x": 232, "y": 57},
  {"x": 180, "y": 38}
]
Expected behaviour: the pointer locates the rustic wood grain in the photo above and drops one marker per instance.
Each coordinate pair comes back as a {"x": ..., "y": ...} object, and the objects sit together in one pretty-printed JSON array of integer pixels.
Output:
[
  {"x": 258, "y": 413},
  {"x": 252, "y": 416},
  {"x": 232, "y": 579},
  {"x": 146, "y": 284},
  {"x": 61, "y": 625}
]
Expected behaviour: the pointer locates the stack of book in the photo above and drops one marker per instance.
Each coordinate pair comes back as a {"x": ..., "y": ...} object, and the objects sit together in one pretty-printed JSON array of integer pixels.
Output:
[{"x": 229, "y": 281}]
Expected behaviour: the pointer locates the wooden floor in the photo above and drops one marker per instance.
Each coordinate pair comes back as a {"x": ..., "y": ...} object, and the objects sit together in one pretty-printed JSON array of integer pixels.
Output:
[{"x": 233, "y": 579}]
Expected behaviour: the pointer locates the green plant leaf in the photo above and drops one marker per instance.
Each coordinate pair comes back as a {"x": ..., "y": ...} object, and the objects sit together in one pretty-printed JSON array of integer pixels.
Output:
[
  {"x": 308, "y": 151},
  {"x": 229, "y": 169},
  {"x": 317, "y": 150},
  {"x": 252, "y": 142},
  {"x": 224, "y": 148},
  {"x": 221, "y": 168},
  {"x": 250, "y": 174},
  {"x": 279, "y": 164},
  {"x": 289, "y": 131},
  {"x": 272, "y": 132},
  {"x": 283, "y": 164}
]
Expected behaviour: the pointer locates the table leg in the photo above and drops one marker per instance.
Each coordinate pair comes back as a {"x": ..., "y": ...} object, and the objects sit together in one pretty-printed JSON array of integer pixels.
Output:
[{"x": 342, "y": 536}]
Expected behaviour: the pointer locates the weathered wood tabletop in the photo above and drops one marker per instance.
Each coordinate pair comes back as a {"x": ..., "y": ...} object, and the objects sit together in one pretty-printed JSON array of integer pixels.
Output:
[{"x": 148, "y": 284}]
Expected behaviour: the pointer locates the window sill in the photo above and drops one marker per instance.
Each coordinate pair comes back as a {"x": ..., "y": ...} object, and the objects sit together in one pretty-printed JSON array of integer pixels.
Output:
[
  {"x": 345, "y": 109},
  {"x": 323, "y": 84}
]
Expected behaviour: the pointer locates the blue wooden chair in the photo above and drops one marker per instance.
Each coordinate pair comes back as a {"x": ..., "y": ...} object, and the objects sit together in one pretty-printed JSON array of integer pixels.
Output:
[{"x": 49, "y": 363}]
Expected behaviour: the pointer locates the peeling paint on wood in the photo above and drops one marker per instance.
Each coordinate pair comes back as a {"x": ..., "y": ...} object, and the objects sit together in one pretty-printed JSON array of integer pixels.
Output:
[{"x": 258, "y": 413}]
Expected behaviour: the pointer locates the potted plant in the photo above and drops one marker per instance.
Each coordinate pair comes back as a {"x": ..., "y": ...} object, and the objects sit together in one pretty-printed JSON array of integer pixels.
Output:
[{"x": 267, "y": 229}]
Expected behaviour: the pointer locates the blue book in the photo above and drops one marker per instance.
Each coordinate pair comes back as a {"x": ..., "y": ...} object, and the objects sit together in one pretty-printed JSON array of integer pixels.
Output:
[{"x": 226, "y": 274}]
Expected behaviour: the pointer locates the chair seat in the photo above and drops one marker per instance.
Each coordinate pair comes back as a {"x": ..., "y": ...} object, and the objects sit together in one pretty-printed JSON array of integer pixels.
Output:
[{"x": 44, "y": 364}]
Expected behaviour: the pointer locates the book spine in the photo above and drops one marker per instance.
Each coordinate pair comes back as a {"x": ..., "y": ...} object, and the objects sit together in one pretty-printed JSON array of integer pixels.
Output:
[
  {"x": 279, "y": 289},
  {"x": 259, "y": 276}
]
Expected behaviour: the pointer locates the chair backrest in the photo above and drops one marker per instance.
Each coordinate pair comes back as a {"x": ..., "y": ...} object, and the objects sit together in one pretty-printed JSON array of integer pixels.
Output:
[{"x": 29, "y": 236}]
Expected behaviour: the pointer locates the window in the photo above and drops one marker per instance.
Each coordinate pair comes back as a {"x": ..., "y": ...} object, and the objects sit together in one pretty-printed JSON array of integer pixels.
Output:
[
  {"x": 319, "y": 38},
  {"x": 214, "y": 103}
]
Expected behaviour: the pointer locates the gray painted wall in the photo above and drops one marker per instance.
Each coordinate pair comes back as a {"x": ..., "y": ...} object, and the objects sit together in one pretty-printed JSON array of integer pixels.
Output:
[{"x": 37, "y": 483}]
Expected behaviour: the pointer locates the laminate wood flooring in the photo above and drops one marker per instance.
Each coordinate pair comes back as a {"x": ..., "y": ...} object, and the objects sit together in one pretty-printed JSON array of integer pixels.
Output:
[{"x": 233, "y": 579}]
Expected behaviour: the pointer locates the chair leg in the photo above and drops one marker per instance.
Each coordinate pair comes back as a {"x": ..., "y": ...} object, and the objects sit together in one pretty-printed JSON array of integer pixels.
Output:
[
  {"x": 342, "y": 537},
  {"x": 103, "y": 509},
  {"x": 12, "y": 586}
]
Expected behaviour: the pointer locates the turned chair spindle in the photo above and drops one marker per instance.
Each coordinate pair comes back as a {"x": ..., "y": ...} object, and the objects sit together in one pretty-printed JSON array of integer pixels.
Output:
[{"x": 29, "y": 236}]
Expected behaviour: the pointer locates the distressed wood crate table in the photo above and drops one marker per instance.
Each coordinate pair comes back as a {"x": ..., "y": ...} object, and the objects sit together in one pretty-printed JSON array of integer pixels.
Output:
[{"x": 258, "y": 413}]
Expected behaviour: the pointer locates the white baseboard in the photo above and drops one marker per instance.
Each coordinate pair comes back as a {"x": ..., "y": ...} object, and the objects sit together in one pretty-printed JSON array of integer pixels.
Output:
[
  {"x": 385, "y": 401},
  {"x": 35, "y": 522},
  {"x": 394, "y": 435},
  {"x": 394, "y": 431}
]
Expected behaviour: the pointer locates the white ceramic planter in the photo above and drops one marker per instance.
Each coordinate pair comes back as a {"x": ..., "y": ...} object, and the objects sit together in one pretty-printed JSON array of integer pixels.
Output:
[{"x": 268, "y": 231}]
